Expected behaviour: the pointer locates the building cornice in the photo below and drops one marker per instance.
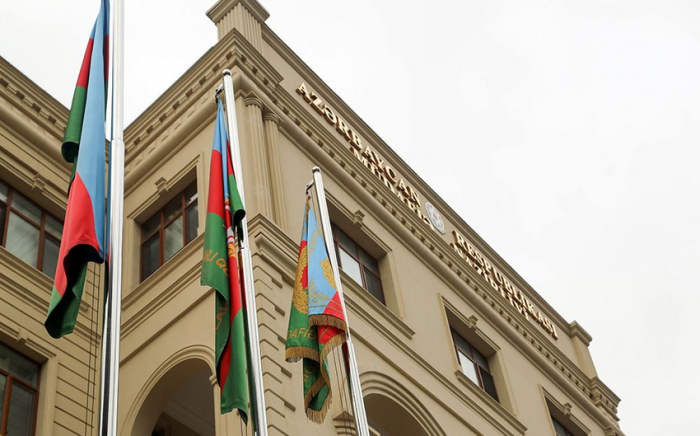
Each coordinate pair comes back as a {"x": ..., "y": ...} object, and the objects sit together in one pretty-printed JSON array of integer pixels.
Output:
[
  {"x": 345, "y": 112},
  {"x": 30, "y": 99},
  {"x": 34, "y": 117}
]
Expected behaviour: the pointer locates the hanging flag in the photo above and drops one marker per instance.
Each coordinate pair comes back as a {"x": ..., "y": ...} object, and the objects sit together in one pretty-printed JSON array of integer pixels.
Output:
[
  {"x": 220, "y": 271},
  {"x": 84, "y": 146},
  {"x": 316, "y": 320}
]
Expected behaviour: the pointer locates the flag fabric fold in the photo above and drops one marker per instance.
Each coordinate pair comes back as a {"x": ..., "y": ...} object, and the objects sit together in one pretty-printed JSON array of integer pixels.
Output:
[
  {"x": 83, "y": 238},
  {"x": 316, "y": 321},
  {"x": 220, "y": 271}
]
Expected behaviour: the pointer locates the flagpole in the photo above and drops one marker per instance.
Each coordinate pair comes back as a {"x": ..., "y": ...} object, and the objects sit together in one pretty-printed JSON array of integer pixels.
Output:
[
  {"x": 246, "y": 260},
  {"x": 112, "y": 324},
  {"x": 358, "y": 404}
]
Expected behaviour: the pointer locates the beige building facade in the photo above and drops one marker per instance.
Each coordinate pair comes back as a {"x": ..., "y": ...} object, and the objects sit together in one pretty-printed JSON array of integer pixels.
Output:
[{"x": 450, "y": 340}]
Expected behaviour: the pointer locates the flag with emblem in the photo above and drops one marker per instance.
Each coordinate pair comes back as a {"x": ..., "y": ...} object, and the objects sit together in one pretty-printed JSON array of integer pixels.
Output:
[
  {"x": 220, "y": 271},
  {"x": 316, "y": 320},
  {"x": 83, "y": 238}
]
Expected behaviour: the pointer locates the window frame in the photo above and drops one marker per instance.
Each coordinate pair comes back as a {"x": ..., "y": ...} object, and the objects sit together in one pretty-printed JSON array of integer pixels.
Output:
[
  {"x": 160, "y": 230},
  {"x": 357, "y": 256},
  {"x": 477, "y": 367},
  {"x": 43, "y": 234},
  {"x": 10, "y": 380}
]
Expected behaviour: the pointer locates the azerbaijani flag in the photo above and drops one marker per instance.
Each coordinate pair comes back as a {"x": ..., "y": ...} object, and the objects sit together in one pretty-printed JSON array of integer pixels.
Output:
[
  {"x": 220, "y": 271},
  {"x": 316, "y": 319},
  {"x": 84, "y": 146}
]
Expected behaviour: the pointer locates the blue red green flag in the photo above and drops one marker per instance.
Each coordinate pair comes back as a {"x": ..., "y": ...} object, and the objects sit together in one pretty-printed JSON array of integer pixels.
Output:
[
  {"x": 83, "y": 237},
  {"x": 316, "y": 319},
  {"x": 220, "y": 271}
]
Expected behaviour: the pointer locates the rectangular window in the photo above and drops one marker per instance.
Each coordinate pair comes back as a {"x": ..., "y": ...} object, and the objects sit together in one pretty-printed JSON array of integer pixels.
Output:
[
  {"x": 169, "y": 230},
  {"x": 19, "y": 393},
  {"x": 28, "y": 231},
  {"x": 474, "y": 365},
  {"x": 358, "y": 264}
]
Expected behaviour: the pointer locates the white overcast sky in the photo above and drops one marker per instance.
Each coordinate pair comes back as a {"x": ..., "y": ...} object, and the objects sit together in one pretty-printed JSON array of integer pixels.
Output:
[{"x": 564, "y": 132}]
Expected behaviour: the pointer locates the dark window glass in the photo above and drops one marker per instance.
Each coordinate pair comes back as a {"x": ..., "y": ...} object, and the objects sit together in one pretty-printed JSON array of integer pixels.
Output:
[
  {"x": 21, "y": 410},
  {"x": 23, "y": 239},
  {"x": 489, "y": 385},
  {"x": 173, "y": 209},
  {"x": 50, "y": 260},
  {"x": 559, "y": 429},
  {"x": 191, "y": 194},
  {"x": 3, "y": 384},
  {"x": 374, "y": 285},
  {"x": 345, "y": 241},
  {"x": 26, "y": 207},
  {"x": 192, "y": 222},
  {"x": 169, "y": 230},
  {"x": 29, "y": 232},
  {"x": 3, "y": 214},
  {"x": 481, "y": 360},
  {"x": 19, "y": 380},
  {"x": 11, "y": 362},
  {"x": 4, "y": 189},
  {"x": 54, "y": 227},
  {"x": 358, "y": 264},
  {"x": 369, "y": 262},
  {"x": 173, "y": 239},
  {"x": 150, "y": 256},
  {"x": 474, "y": 365},
  {"x": 151, "y": 226}
]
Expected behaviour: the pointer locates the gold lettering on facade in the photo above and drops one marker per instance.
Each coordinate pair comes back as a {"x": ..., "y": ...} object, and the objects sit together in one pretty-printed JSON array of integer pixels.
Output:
[
  {"x": 343, "y": 129},
  {"x": 301, "y": 90},
  {"x": 390, "y": 174},
  {"x": 355, "y": 141},
  {"x": 330, "y": 116},
  {"x": 366, "y": 155},
  {"x": 499, "y": 282},
  {"x": 317, "y": 103}
]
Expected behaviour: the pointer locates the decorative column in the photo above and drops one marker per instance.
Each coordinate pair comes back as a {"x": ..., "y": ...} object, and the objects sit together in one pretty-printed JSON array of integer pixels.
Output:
[
  {"x": 257, "y": 194},
  {"x": 271, "y": 124}
]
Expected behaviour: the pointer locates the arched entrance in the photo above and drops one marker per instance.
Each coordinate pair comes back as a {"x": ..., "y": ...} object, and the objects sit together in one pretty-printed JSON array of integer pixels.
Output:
[
  {"x": 393, "y": 410},
  {"x": 178, "y": 398},
  {"x": 190, "y": 410}
]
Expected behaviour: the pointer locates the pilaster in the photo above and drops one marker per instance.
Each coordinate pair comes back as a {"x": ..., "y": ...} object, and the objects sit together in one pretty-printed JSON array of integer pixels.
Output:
[
  {"x": 271, "y": 125},
  {"x": 258, "y": 193}
]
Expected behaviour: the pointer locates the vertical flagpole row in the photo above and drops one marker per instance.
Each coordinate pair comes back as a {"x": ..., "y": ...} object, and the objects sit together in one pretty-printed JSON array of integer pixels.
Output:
[
  {"x": 111, "y": 336},
  {"x": 246, "y": 260},
  {"x": 358, "y": 404}
]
